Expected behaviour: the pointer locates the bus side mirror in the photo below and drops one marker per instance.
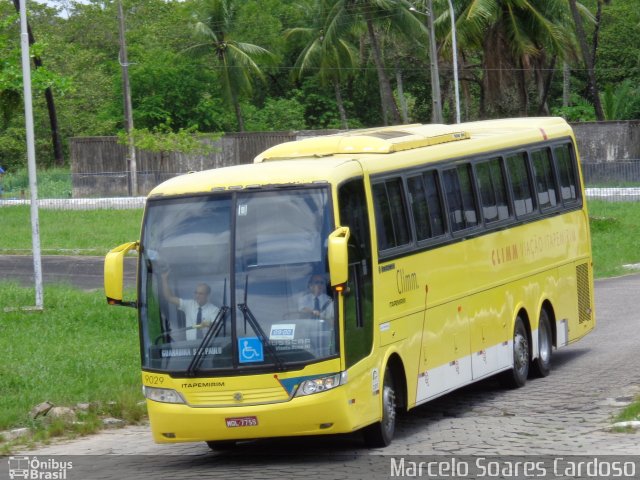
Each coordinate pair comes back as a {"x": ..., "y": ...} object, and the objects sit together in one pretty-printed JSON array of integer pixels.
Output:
[
  {"x": 114, "y": 274},
  {"x": 339, "y": 256}
]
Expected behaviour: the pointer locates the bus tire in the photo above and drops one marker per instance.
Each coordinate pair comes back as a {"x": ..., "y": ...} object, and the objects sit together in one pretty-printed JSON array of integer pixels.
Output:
[
  {"x": 219, "y": 445},
  {"x": 517, "y": 376},
  {"x": 380, "y": 434},
  {"x": 542, "y": 364}
]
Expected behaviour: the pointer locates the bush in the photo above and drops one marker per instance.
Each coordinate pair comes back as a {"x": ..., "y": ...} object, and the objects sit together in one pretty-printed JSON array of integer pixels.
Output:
[
  {"x": 580, "y": 110},
  {"x": 275, "y": 115},
  {"x": 52, "y": 183},
  {"x": 12, "y": 148}
]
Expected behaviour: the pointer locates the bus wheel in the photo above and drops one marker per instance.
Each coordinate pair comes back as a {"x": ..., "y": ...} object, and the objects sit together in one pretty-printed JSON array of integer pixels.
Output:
[
  {"x": 221, "y": 444},
  {"x": 517, "y": 376},
  {"x": 380, "y": 433},
  {"x": 542, "y": 364}
]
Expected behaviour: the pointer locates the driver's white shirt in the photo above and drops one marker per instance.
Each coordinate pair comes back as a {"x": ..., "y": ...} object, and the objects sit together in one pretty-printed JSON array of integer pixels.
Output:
[
  {"x": 325, "y": 301},
  {"x": 190, "y": 309}
]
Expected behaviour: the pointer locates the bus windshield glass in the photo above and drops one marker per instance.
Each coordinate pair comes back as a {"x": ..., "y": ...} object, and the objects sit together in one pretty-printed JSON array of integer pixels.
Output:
[{"x": 237, "y": 281}]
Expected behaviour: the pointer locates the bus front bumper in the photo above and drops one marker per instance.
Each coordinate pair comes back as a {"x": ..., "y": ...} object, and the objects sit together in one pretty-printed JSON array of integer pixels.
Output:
[{"x": 322, "y": 413}]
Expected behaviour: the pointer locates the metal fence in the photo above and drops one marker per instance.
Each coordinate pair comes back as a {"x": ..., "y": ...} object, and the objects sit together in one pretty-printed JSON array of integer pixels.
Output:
[
  {"x": 610, "y": 181},
  {"x": 612, "y": 174}
]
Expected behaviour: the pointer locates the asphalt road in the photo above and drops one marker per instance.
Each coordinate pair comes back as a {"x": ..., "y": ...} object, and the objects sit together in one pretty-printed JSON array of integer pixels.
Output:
[
  {"x": 80, "y": 271},
  {"x": 567, "y": 413}
]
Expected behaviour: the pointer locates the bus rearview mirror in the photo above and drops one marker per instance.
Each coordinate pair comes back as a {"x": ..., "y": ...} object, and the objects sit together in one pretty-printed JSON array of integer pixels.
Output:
[
  {"x": 339, "y": 256},
  {"x": 114, "y": 273}
]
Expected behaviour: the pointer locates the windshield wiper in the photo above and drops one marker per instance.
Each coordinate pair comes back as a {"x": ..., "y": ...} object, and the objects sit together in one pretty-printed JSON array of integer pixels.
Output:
[
  {"x": 212, "y": 332},
  {"x": 249, "y": 317}
]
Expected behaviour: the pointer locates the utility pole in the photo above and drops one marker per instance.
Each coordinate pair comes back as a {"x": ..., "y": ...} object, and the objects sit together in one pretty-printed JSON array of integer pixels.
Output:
[
  {"x": 436, "y": 96},
  {"x": 31, "y": 155},
  {"x": 454, "y": 47},
  {"x": 128, "y": 110}
]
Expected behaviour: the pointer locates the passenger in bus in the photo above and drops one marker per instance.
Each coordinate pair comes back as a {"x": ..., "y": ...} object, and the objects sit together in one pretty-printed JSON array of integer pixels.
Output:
[
  {"x": 316, "y": 302},
  {"x": 199, "y": 312}
]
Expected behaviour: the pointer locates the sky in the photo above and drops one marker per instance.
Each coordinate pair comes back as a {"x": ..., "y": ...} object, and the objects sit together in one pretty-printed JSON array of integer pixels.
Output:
[{"x": 63, "y": 6}]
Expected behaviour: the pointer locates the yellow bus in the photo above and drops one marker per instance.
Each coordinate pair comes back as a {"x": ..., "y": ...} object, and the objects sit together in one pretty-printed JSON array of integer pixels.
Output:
[{"x": 340, "y": 279}]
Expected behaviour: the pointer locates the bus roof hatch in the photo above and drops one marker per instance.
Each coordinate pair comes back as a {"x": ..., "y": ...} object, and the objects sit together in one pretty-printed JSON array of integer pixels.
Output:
[{"x": 378, "y": 140}]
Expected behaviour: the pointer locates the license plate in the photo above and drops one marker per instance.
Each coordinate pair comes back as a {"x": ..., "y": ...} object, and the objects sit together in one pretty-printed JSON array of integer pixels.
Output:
[{"x": 241, "y": 422}]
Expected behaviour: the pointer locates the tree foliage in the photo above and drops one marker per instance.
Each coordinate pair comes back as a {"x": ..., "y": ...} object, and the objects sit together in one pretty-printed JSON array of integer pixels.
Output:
[
  {"x": 11, "y": 81},
  {"x": 162, "y": 139},
  {"x": 237, "y": 61},
  {"x": 227, "y": 65}
]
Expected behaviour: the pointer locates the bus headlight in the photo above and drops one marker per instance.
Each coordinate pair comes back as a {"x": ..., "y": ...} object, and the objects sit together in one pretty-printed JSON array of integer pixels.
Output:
[
  {"x": 322, "y": 384},
  {"x": 164, "y": 395}
]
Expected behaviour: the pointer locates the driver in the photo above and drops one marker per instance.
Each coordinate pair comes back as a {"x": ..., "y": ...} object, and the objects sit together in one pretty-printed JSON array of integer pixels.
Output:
[
  {"x": 199, "y": 312},
  {"x": 316, "y": 302}
]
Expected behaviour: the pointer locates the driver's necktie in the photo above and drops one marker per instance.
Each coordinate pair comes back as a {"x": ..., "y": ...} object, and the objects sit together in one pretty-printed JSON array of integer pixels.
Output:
[{"x": 199, "y": 321}]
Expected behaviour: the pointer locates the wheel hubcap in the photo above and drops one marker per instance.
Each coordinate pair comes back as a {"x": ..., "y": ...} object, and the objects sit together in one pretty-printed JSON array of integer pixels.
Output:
[
  {"x": 545, "y": 344},
  {"x": 521, "y": 352}
]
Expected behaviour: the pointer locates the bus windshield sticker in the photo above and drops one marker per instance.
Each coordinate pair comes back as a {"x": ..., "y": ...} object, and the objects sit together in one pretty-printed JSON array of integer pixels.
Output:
[
  {"x": 250, "y": 350},
  {"x": 283, "y": 331},
  {"x": 188, "y": 351}
]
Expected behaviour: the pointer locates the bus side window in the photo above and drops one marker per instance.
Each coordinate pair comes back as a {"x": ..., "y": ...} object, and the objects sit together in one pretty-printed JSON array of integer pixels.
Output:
[
  {"x": 460, "y": 198},
  {"x": 493, "y": 191},
  {"x": 419, "y": 207},
  {"x": 519, "y": 178},
  {"x": 435, "y": 204},
  {"x": 425, "y": 205},
  {"x": 545, "y": 182},
  {"x": 391, "y": 219},
  {"x": 566, "y": 172}
]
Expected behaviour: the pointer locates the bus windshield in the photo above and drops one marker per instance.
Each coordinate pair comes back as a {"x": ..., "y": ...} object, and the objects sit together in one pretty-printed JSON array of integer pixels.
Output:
[{"x": 237, "y": 281}]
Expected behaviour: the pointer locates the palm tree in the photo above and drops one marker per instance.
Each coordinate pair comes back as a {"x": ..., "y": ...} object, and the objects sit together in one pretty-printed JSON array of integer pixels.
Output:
[
  {"x": 334, "y": 61},
  {"x": 588, "y": 60},
  {"x": 514, "y": 37},
  {"x": 238, "y": 61},
  {"x": 555, "y": 42},
  {"x": 344, "y": 15}
]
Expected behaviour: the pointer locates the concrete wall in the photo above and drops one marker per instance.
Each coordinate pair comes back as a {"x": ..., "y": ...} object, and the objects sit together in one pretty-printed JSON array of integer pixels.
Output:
[{"x": 608, "y": 141}]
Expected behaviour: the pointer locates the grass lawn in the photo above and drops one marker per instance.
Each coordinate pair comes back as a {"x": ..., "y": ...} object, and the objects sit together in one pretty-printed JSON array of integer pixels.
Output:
[
  {"x": 77, "y": 350},
  {"x": 66, "y": 232},
  {"x": 615, "y": 236},
  {"x": 630, "y": 413}
]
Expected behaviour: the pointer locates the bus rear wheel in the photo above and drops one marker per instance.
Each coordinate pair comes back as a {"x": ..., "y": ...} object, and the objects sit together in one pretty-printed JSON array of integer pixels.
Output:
[
  {"x": 381, "y": 433},
  {"x": 517, "y": 376},
  {"x": 542, "y": 364}
]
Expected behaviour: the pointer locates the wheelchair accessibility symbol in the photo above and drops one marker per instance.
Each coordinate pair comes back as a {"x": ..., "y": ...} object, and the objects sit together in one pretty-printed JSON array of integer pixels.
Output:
[{"x": 250, "y": 350}]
